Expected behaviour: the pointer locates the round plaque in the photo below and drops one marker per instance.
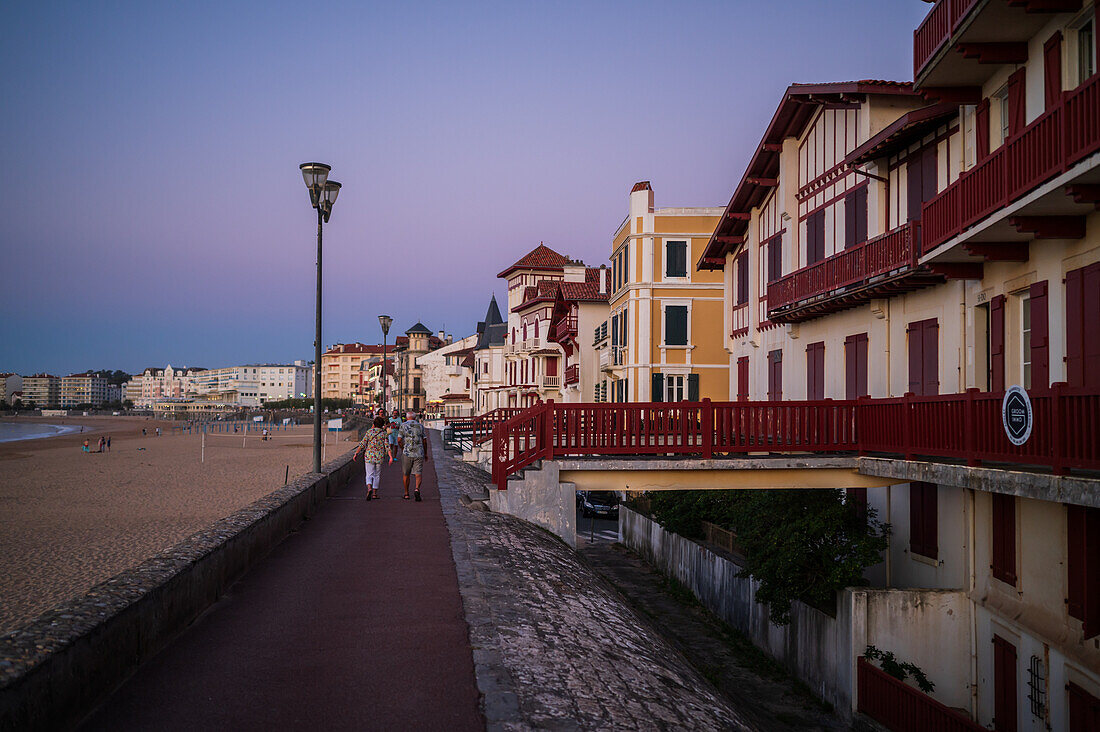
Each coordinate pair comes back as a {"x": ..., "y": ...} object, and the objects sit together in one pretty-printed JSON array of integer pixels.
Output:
[{"x": 1016, "y": 415}]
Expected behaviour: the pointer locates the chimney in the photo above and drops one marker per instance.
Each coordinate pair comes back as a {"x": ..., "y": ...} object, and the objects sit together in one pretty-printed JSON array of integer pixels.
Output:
[
  {"x": 603, "y": 279},
  {"x": 641, "y": 199}
]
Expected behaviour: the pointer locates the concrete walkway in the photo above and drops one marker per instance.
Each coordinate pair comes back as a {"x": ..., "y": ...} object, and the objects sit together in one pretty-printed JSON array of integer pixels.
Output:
[{"x": 354, "y": 622}]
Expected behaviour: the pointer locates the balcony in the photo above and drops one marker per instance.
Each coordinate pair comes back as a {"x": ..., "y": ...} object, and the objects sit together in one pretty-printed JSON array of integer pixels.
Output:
[
  {"x": 605, "y": 359},
  {"x": 513, "y": 349},
  {"x": 740, "y": 324},
  {"x": 880, "y": 267},
  {"x": 936, "y": 29},
  {"x": 551, "y": 382},
  {"x": 566, "y": 329},
  {"x": 573, "y": 374},
  {"x": 536, "y": 344},
  {"x": 1046, "y": 148}
]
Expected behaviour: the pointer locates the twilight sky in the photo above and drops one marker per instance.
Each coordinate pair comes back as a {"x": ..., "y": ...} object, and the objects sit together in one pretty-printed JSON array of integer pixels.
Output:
[{"x": 152, "y": 210}]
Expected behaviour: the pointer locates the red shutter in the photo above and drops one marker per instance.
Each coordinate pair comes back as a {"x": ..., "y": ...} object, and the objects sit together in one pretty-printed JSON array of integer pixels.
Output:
[
  {"x": 997, "y": 343},
  {"x": 1084, "y": 709},
  {"x": 850, "y": 220},
  {"x": 916, "y": 358},
  {"x": 1004, "y": 538},
  {"x": 931, "y": 355},
  {"x": 775, "y": 376},
  {"x": 916, "y": 518},
  {"x": 1017, "y": 105},
  {"x": 1052, "y": 70},
  {"x": 1083, "y": 566},
  {"x": 861, "y": 214},
  {"x": 815, "y": 371},
  {"x": 1004, "y": 685},
  {"x": 855, "y": 366},
  {"x": 931, "y": 520},
  {"x": 929, "y": 179},
  {"x": 743, "y": 378},
  {"x": 914, "y": 187},
  {"x": 742, "y": 278},
  {"x": 1083, "y": 326},
  {"x": 1040, "y": 341},
  {"x": 551, "y": 367},
  {"x": 981, "y": 128},
  {"x": 923, "y": 519}
]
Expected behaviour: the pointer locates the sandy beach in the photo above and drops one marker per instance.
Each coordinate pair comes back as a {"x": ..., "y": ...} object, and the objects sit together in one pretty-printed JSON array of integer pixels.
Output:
[{"x": 69, "y": 519}]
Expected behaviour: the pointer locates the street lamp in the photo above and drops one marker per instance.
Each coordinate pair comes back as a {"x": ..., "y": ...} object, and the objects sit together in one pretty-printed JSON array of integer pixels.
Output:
[
  {"x": 385, "y": 321},
  {"x": 322, "y": 196}
]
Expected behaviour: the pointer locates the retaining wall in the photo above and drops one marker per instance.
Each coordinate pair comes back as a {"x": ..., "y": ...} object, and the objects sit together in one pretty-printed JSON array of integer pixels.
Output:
[{"x": 55, "y": 669}]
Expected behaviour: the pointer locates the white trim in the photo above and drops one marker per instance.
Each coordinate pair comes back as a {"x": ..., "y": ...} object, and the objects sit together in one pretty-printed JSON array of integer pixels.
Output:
[{"x": 665, "y": 241}]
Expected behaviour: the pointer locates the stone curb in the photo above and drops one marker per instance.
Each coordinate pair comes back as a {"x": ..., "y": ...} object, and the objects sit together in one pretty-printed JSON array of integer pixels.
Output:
[{"x": 55, "y": 669}]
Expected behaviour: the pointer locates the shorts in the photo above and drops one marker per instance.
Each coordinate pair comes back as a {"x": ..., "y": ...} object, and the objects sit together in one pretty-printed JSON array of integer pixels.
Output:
[
  {"x": 374, "y": 474},
  {"x": 414, "y": 465}
]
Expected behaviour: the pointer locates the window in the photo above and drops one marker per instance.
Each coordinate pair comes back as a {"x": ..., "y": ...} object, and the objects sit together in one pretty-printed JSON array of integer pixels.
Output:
[
  {"x": 1086, "y": 51},
  {"x": 815, "y": 371},
  {"x": 855, "y": 217},
  {"x": 675, "y": 390},
  {"x": 676, "y": 325},
  {"x": 742, "y": 272},
  {"x": 1001, "y": 100},
  {"x": 1025, "y": 339},
  {"x": 923, "y": 520},
  {"x": 1083, "y": 566},
  {"x": 676, "y": 259},
  {"x": 775, "y": 258},
  {"x": 815, "y": 237},
  {"x": 1004, "y": 538}
]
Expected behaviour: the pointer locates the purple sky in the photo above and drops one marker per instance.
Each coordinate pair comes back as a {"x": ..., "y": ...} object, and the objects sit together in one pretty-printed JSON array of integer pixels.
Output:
[{"x": 153, "y": 212}]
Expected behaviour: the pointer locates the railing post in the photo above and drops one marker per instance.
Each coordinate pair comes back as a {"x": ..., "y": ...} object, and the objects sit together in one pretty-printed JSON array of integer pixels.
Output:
[
  {"x": 857, "y": 427},
  {"x": 498, "y": 455},
  {"x": 907, "y": 428},
  {"x": 706, "y": 418},
  {"x": 548, "y": 429},
  {"x": 969, "y": 425},
  {"x": 1058, "y": 451}
]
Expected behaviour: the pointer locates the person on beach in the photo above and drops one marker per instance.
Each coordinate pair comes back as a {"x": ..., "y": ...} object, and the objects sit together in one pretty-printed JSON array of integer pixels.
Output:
[
  {"x": 87, "y": 446},
  {"x": 414, "y": 445},
  {"x": 373, "y": 445},
  {"x": 102, "y": 442},
  {"x": 108, "y": 443}
]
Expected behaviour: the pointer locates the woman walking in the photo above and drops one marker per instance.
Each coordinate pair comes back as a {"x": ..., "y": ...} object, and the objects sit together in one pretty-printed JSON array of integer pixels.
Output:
[
  {"x": 373, "y": 445},
  {"x": 393, "y": 436}
]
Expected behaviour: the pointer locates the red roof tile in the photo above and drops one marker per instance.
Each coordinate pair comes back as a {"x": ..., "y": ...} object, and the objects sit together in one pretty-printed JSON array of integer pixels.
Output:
[{"x": 541, "y": 257}]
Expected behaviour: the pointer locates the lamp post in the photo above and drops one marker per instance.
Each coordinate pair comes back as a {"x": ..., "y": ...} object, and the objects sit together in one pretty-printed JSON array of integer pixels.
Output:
[
  {"x": 322, "y": 195},
  {"x": 385, "y": 321}
]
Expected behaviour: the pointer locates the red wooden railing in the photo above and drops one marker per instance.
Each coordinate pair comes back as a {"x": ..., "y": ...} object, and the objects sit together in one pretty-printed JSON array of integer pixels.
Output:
[
  {"x": 1060, "y": 137},
  {"x": 893, "y": 250},
  {"x": 902, "y": 708},
  {"x": 481, "y": 426},
  {"x": 936, "y": 28},
  {"x": 1065, "y": 432},
  {"x": 565, "y": 328},
  {"x": 573, "y": 373}
]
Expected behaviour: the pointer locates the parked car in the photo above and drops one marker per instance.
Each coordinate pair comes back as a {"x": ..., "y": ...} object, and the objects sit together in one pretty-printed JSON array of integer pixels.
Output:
[{"x": 603, "y": 504}]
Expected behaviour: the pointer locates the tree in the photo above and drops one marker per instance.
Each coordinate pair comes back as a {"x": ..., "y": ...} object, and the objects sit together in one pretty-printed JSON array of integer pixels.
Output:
[
  {"x": 799, "y": 544},
  {"x": 128, "y": 403}
]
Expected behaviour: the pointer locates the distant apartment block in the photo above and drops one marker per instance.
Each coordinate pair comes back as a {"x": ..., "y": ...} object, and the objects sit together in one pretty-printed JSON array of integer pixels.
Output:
[
  {"x": 252, "y": 385},
  {"x": 42, "y": 390},
  {"x": 340, "y": 368},
  {"x": 9, "y": 384},
  {"x": 83, "y": 389}
]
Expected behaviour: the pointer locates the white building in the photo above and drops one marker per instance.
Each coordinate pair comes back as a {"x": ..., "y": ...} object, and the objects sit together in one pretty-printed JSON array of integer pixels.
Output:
[
  {"x": 86, "y": 388},
  {"x": 153, "y": 385},
  {"x": 9, "y": 384},
  {"x": 446, "y": 381},
  {"x": 253, "y": 385}
]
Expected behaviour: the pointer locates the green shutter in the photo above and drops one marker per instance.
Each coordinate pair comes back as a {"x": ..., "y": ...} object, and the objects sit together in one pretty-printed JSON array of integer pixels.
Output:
[
  {"x": 693, "y": 387},
  {"x": 676, "y": 325},
  {"x": 658, "y": 388}
]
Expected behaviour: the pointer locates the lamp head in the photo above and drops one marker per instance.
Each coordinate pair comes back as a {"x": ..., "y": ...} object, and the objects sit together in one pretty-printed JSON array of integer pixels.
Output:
[
  {"x": 328, "y": 197},
  {"x": 315, "y": 175},
  {"x": 385, "y": 321}
]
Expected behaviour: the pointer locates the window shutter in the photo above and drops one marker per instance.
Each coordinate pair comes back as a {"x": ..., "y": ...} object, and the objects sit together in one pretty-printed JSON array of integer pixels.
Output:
[
  {"x": 981, "y": 128},
  {"x": 861, "y": 366},
  {"x": 861, "y": 215},
  {"x": 1083, "y": 566},
  {"x": 914, "y": 187},
  {"x": 615, "y": 330},
  {"x": 775, "y": 375},
  {"x": 1004, "y": 685},
  {"x": 742, "y": 378},
  {"x": 775, "y": 258},
  {"x": 1084, "y": 709},
  {"x": 1017, "y": 114},
  {"x": 997, "y": 343},
  {"x": 916, "y": 357},
  {"x": 815, "y": 371},
  {"x": 931, "y": 520},
  {"x": 693, "y": 388},
  {"x": 815, "y": 237},
  {"x": 1075, "y": 332},
  {"x": 676, "y": 325},
  {"x": 850, "y": 220},
  {"x": 1052, "y": 70},
  {"x": 1004, "y": 538},
  {"x": 742, "y": 278},
  {"x": 1040, "y": 341},
  {"x": 931, "y": 358},
  {"x": 916, "y": 518},
  {"x": 929, "y": 179},
  {"x": 850, "y": 367},
  {"x": 657, "y": 387}
]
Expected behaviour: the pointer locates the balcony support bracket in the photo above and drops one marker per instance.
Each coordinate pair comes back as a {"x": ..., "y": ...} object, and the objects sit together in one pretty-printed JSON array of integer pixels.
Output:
[
  {"x": 1013, "y": 52},
  {"x": 1085, "y": 193},
  {"x": 1006, "y": 251},
  {"x": 953, "y": 94},
  {"x": 1050, "y": 227}
]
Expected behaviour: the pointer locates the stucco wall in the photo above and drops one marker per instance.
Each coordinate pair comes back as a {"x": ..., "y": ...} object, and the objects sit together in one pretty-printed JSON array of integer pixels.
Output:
[{"x": 542, "y": 500}]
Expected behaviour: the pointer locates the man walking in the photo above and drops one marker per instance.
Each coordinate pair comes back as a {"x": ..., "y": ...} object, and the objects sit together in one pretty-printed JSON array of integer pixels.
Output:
[{"x": 414, "y": 451}]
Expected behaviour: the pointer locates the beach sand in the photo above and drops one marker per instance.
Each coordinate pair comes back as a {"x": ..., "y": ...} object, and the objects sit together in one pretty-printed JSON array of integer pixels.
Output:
[{"x": 69, "y": 520}]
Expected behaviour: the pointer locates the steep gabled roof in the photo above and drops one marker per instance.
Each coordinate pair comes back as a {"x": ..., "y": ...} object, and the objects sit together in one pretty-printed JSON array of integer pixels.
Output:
[
  {"x": 419, "y": 329},
  {"x": 541, "y": 257}
]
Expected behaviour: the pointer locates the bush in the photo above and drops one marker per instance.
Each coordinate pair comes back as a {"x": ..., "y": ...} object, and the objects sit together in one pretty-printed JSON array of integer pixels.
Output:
[{"x": 799, "y": 544}]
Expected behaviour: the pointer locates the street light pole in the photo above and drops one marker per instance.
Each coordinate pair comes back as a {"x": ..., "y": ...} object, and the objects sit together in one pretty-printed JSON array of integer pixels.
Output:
[
  {"x": 385, "y": 321},
  {"x": 322, "y": 195}
]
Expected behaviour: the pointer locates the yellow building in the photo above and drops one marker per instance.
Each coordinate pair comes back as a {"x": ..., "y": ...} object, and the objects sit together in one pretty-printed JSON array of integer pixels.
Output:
[
  {"x": 663, "y": 340},
  {"x": 340, "y": 369}
]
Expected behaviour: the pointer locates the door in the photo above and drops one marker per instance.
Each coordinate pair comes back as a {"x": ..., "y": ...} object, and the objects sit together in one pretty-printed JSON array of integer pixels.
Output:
[
  {"x": 924, "y": 359},
  {"x": 1004, "y": 685},
  {"x": 775, "y": 376},
  {"x": 815, "y": 371},
  {"x": 855, "y": 366}
]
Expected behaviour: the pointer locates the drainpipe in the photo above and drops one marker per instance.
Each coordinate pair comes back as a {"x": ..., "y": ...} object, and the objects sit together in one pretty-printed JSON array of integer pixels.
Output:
[{"x": 972, "y": 584}]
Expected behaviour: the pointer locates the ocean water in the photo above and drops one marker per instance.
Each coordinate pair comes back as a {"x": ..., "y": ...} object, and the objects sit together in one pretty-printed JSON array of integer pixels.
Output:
[{"x": 12, "y": 431}]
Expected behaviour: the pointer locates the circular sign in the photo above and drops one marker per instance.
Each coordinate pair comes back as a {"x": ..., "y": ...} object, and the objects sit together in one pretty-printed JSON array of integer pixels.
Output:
[{"x": 1016, "y": 415}]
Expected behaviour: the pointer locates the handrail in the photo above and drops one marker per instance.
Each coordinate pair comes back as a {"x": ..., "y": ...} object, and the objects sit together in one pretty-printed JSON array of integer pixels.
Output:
[
  {"x": 1066, "y": 431},
  {"x": 936, "y": 29}
]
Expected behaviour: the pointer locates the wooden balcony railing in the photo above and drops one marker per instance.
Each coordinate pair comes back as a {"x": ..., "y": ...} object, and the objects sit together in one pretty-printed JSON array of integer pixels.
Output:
[
  {"x": 566, "y": 328},
  {"x": 891, "y": 251},
  {"x": 481, "y": 426},
  {"x": 900, "y": 707},
  {"x": 573, "y": 374},
  {"x": 740, "y": 324},
  {"x": 1065, "y": 432},
  {"x": 936, "y": 29},
  {"x": 1048, "y": 146},
  {"x": 551, "y": 382}
]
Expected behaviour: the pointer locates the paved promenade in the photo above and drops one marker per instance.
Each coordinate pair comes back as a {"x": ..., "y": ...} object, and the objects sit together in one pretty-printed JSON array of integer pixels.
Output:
[{"x": 375, "y": 616}]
